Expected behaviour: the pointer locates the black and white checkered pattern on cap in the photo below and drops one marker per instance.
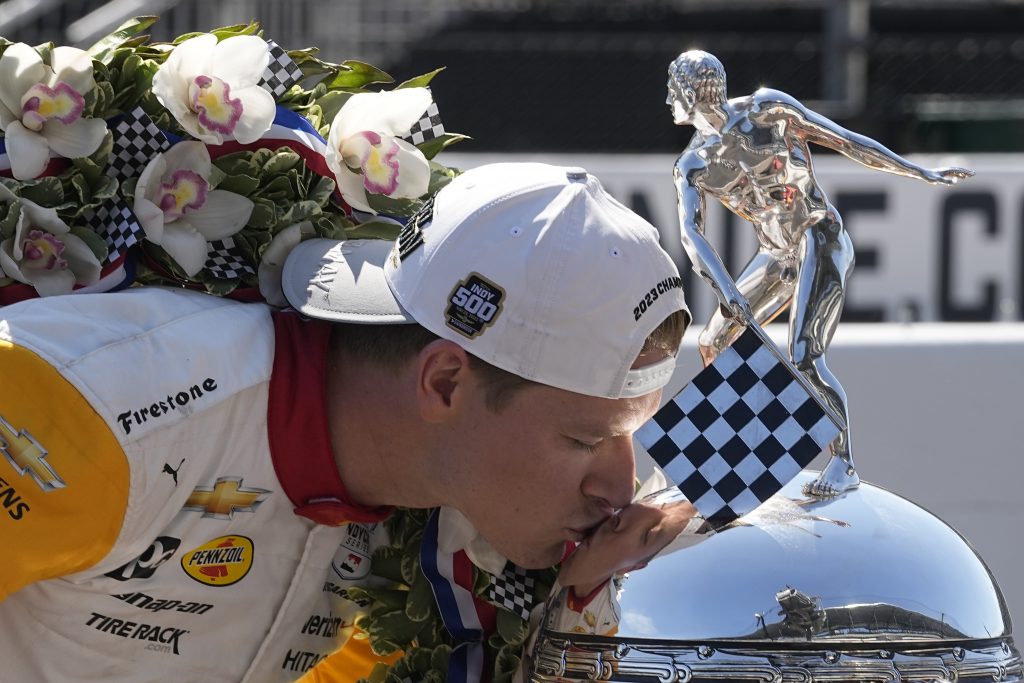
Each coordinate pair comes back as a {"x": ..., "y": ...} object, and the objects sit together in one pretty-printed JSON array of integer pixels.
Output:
[
  {"x": 224, "y": 260},
  {"x": 513, "y": 590},
  {"x": 136, "y": 141},
  {"x": 117, "y": 224},
  {"x": 741, "y": 430},
  {"x": 428, "y": 127},
  {"x": 281, "y": 72}
]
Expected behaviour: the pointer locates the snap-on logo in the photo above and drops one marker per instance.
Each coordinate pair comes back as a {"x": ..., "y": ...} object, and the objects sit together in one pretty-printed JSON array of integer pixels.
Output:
[
  {"x": 473, "y": 305},
  {"x": 162, "y": 406}
]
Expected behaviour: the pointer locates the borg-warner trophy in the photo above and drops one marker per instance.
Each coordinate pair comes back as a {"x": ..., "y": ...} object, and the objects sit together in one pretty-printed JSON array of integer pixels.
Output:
[
  {"x": 830, "y": 579},
  {"x": 751, "y": 153}
]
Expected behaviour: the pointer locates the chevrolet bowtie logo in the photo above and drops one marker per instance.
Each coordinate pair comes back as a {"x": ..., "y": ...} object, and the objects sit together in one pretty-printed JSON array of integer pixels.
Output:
[
  {"x": 225, "y": 499},
  {"x": 27, "y": 455}
]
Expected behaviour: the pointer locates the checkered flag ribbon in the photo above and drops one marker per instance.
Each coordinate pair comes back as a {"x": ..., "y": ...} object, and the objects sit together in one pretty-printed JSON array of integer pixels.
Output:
[
  {"x": 281, "y": 73},
  {"x": 742, "y": 429},
  {"x": 513, "y": 590},
  {"x": 224, "y": 260},
  {"x": 116, "y": 223},
  {"x": 427, "y": 128},
  {"x": 136, "y": 141}
]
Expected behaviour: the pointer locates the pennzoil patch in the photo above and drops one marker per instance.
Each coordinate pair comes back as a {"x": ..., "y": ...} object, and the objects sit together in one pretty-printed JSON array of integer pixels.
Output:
[{"x": 473, "y": 305}]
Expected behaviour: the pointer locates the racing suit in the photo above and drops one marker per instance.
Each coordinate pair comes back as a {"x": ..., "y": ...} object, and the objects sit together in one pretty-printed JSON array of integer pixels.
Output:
[{"x": 169, "y": 504}]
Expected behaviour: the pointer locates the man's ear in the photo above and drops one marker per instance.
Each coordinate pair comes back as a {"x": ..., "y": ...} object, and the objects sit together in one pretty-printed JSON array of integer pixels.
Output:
[{"x": 442, "y": 380}]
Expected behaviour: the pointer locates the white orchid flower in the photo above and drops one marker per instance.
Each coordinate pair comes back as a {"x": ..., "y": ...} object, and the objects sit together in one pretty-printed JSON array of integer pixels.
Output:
[
  {"x": 272, "y": 261},
  {"x": 43, "y": 252},
  {"x": 212, "y": 89},
  {"x": 365, "y": 153},
  {"x": 41, "y": 107},
  {"x": 179, "y": 211}
]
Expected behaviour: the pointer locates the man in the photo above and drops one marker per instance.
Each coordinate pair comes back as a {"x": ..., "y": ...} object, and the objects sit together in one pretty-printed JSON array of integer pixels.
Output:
[
  {"x": 191, "y": 482},
  {"x": 752, "y": 154}
]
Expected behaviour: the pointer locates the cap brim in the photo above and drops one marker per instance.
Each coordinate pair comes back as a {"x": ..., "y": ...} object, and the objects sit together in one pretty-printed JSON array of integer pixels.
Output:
[{"x": 342, "y": 281}]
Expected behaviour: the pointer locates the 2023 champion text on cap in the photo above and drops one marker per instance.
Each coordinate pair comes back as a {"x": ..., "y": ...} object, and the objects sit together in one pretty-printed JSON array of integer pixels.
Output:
[{"x": 530, "y": 267}]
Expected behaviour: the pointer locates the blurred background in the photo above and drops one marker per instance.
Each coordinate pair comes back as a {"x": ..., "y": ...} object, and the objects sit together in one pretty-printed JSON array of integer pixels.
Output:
[
  {"x": 589, "y": 75},
  {"x": 936, "y": 389}
]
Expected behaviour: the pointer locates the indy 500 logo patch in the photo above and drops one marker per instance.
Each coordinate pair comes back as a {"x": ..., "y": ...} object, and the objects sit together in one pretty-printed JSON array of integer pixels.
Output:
[{"x": 473, "y": 305}]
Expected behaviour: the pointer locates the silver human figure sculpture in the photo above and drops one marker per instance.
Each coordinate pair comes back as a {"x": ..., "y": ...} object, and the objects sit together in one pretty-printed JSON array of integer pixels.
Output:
[{"x": 752, "y": 154}]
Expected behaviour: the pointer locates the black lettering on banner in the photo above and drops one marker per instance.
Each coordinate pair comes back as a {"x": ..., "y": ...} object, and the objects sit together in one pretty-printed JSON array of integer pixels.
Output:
[
  {"x": 143, "y": 566},
  {"x": 957, "y": 203},
  {"x": 849, "y": 204}
]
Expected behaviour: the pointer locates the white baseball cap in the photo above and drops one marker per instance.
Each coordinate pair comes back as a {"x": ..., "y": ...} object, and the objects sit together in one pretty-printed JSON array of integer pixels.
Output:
[{"x": 532, "y": 268}]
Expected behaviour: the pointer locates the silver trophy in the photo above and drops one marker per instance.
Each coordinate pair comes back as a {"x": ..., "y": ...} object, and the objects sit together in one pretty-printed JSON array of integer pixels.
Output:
[
  {"x": 830, "y": 579},
  {"x": 752, "y": 154}
]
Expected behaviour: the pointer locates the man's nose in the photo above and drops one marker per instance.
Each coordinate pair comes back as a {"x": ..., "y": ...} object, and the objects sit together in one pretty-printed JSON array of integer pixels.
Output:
[{"x": 612, "y": 478}]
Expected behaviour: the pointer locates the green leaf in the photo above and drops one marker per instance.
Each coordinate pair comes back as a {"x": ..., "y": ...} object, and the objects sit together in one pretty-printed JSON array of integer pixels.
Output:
[
  {"x": 283, "y": 160},
  {"x": 431, "y": 148},
  {"x": 264, "y": 215},
  {"x": 241, "y": 184},
  {"x": 81, "y": 188},
  {"x": 387, "y": 563},
  {"x": 10, "y": 219},
  {"x": 420, "y": 604},
  {"x": 410, "y": 564},
  {"x": 278, "y": 188},
  {"x": 439, "y": 658},
  {"x": 216, "y": 177},
  {"x": 420, "y": 81},
  {"x": 331, "y": 104},
  {"x": 510, "y": 627},
  {"x": 95, "y": 243},
  {"x": 322, "y": 191},
  {"x": 392, "y": 207},
  {"x": 103, "y": 48},
  {"x": 48, "y": 191},
  {"x": 356, "y": 74}
]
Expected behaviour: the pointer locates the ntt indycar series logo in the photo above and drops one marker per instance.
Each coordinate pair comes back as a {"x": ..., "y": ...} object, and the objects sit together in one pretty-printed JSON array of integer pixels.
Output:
[{"x": 221, "y": 562}]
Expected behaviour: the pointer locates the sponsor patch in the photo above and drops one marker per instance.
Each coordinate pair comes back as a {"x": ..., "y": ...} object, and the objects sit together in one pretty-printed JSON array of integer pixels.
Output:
[
  {"x": 221, "y": 562},
  {"x": 352, "y": 560},
  {"x": 161, "y": 638},
  {"x": 27, "y": 456},
  {"x": 225, "y": 499},
  {"x": 473, "y": 305},
  {"x": 169, "y": 404},
  {"x": 148, "y": 602},
  {"x": 143, "y": 566}
]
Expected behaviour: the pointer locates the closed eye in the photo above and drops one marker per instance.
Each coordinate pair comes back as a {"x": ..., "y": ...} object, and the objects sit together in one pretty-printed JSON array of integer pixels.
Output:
[{"x": 583, "y": 445}]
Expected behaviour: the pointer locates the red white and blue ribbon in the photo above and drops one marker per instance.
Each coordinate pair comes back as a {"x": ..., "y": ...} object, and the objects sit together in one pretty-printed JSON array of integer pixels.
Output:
[{"x": 466, "y": 618}]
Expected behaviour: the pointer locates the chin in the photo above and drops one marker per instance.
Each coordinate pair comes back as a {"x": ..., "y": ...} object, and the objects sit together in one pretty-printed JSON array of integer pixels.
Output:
[{"x": 536, "y": 558}]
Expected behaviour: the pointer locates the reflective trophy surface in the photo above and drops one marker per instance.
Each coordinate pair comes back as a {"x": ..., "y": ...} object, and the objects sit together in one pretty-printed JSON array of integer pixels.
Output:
[{"x": 831, "y": 579}]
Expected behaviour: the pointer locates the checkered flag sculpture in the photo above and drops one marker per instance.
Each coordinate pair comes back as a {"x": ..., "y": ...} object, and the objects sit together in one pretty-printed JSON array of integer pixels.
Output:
[
  {"x": 513, "y": 590},
  {"x": 742, "y": 429},
  {"x": 117, "y": 224},
  {"x": 225, "y": 261},
  {"x": 136, "y": 141},
  {"x": 428, "y": 126},
  {"x": 281, "y": 72}
]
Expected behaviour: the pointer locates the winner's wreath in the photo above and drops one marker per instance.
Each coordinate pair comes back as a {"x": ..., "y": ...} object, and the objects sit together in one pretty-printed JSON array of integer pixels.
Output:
[{"x": 198, "y": 162}]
